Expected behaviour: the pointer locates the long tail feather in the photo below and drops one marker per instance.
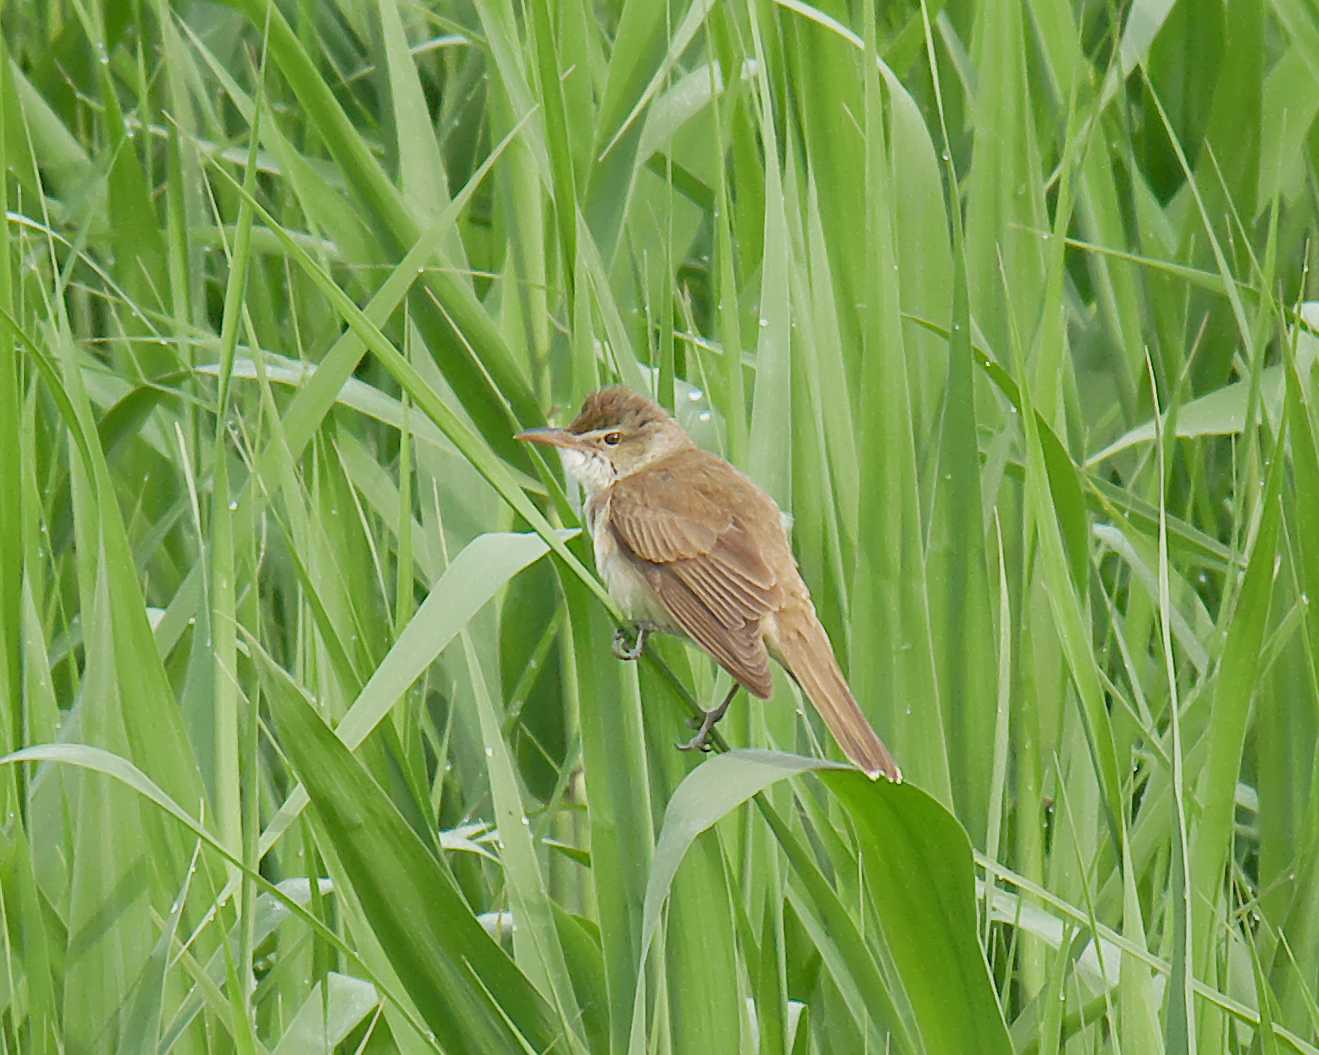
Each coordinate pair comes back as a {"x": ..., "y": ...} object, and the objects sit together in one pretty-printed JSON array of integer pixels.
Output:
[{"x": 804, "y": 649}]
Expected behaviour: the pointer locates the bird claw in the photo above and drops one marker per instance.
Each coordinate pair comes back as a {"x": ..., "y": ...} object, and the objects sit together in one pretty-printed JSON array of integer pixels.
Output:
[
  {"x": 699, "y": 742},
  {"x": 627, "y": 651},
  {"x": 705, "y": 725}
]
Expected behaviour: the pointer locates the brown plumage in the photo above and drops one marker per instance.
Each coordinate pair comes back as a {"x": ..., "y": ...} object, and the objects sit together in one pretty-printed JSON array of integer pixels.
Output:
[{"x": 688, "y": 544}]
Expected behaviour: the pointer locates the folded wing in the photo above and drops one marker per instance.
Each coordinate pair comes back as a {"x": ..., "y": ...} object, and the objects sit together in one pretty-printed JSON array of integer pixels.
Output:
[{"x": 691, "y": 543}]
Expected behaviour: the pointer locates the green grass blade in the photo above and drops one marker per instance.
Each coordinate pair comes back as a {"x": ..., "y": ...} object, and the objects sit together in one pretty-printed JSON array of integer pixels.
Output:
[
  {"x": 917, "y": 861},
  {"x": 470, "y": 994}
]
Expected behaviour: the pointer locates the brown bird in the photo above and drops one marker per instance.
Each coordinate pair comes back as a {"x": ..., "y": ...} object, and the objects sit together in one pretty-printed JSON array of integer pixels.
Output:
[{"x": 688, "y": 545}]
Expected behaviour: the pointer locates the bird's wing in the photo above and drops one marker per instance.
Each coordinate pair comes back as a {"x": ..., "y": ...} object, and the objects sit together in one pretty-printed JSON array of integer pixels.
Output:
[{"x": 682, "y": 524}]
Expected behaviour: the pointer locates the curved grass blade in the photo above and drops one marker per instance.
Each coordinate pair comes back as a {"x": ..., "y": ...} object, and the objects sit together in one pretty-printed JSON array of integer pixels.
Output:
[
  {"x": 918, "y": 867},
  {"x": 469, "y": 992}
]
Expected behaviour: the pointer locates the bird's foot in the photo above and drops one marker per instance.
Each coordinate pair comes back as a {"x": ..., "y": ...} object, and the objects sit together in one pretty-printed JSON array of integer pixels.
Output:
[
  {"x": 707, "y": 722},
  {"x": 629, "y": 651},
  {"x": 699, "y": 742}
]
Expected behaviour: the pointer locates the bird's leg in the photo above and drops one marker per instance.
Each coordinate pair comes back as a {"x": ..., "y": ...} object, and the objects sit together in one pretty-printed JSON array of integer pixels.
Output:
[
  {"x": 699, "y": 741},
  {"x": 633, "y": 651}
]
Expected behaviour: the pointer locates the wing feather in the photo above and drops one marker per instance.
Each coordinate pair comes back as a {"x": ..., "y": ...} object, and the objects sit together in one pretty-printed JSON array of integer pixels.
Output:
[
  {"x": 738, "y": 649},
  {"x": 683, "y": 524}
]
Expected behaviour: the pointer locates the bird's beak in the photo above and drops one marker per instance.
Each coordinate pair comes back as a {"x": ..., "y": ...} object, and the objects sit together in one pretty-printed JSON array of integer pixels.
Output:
[{"x": 551, "y": 438}]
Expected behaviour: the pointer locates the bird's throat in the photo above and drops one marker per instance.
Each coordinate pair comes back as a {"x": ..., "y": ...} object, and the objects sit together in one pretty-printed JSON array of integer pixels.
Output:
[{"x": 592, "y": 471}]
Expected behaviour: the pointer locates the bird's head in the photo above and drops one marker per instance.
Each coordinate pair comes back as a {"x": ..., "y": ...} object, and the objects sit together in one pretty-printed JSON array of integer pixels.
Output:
[{"x": 616, "y": 433}]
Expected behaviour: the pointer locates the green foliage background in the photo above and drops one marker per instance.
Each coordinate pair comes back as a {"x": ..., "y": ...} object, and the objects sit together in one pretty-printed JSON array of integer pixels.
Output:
[{"x": 1010, "y": 303}]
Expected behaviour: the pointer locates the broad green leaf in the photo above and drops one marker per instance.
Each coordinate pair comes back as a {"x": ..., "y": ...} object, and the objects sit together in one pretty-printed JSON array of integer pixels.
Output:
[
  {"x": 1219, "y": 413},
  {"x": 332, "y": 1010},
  {"x": 466, "y": 988},
  {"x": 467, "y": 584},
  {"x": 917, "y": 862}
]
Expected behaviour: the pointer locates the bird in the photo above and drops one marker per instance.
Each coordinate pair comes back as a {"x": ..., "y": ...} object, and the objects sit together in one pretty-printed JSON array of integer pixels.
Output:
[{"x": 689, "y": 545}]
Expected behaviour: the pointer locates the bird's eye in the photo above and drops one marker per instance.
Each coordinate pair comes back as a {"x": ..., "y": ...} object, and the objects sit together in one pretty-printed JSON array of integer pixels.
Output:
[{"x": 613, "y": 439}]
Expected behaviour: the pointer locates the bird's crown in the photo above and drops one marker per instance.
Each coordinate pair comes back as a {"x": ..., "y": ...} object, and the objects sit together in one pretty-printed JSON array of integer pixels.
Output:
[{"x": 616, "y": 406}]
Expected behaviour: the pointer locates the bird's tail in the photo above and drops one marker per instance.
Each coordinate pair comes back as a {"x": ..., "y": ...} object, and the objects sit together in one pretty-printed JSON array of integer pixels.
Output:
[{"x": 805, "y": 650}]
